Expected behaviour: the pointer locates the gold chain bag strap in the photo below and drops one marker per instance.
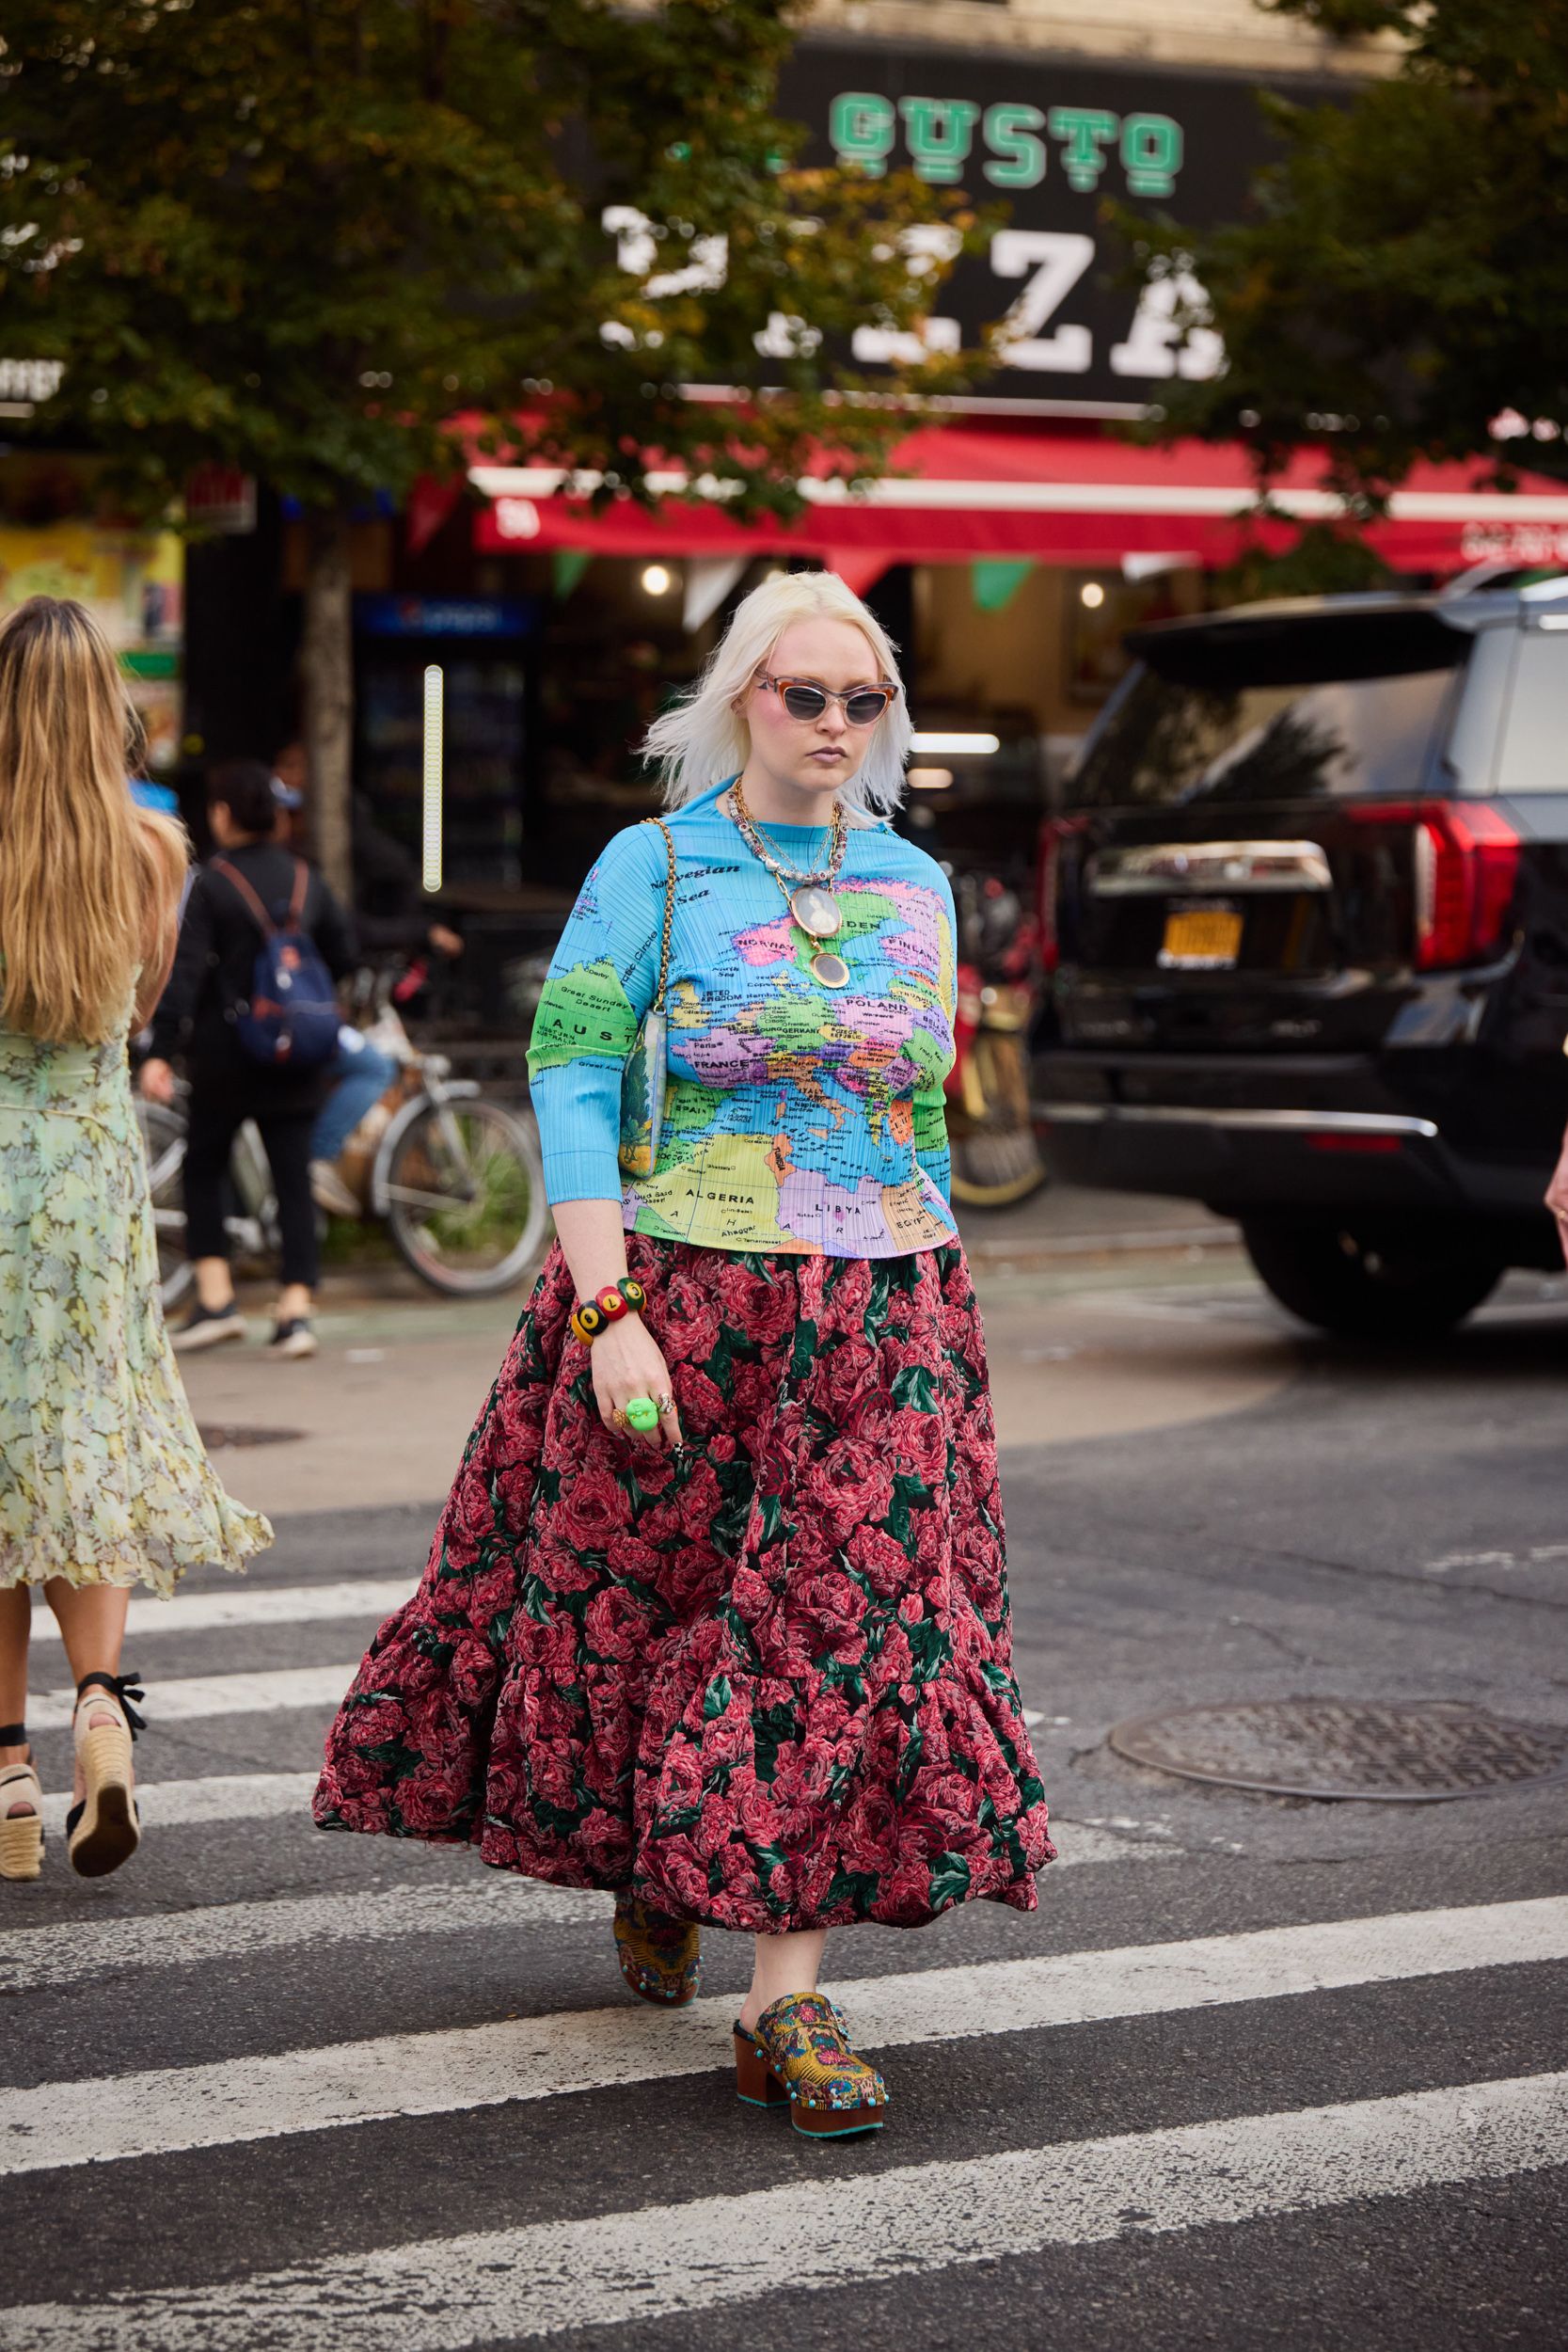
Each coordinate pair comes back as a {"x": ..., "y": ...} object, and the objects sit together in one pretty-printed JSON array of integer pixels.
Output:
[{"x": 643, "y": 1072}]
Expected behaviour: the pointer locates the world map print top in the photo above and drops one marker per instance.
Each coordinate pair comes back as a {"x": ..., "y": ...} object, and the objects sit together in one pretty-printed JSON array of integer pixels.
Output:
[{"x": 797, "y": 1116}]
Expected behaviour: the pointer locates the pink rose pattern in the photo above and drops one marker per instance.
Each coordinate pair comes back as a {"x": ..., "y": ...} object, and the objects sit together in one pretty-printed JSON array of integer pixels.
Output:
[{"x": 767, "y": 1681}]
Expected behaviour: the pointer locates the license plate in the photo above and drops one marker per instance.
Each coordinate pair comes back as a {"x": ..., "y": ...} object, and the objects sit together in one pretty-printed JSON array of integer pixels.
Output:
[{"x": 1201, "y": 940}]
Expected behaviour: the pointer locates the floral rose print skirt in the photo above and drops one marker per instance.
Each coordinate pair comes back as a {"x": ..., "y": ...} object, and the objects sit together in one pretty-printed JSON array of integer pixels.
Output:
[{"x": 766, "y": 1681}]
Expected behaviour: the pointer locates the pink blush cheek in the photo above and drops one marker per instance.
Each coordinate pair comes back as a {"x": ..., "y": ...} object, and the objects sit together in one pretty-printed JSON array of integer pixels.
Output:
[{"x": 772, "y": 728}]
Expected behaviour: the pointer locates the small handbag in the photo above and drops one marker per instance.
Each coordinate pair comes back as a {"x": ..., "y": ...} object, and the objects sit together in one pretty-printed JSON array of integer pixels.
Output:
[{"x": 643, "y": 1072}]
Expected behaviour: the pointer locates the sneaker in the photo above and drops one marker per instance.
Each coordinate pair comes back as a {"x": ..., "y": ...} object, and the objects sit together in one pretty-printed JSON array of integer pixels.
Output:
[
  {"x": 328, "y": 1190},
  {"x": 292, "y": 1339},
  {"x": 207, "y": 1327}
]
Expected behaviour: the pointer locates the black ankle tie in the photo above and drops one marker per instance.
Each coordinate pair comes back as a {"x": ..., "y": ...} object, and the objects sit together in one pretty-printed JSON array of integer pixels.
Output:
[
  {"x": 121, "y": 1687},
  {"x": 13, "y": 1735}
]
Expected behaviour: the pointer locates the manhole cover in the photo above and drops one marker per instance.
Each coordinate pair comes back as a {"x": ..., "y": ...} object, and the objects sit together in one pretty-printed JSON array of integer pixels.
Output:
[
  {"x": 217, "y": 1434},
  {"x": 1414, "y": 1755}
]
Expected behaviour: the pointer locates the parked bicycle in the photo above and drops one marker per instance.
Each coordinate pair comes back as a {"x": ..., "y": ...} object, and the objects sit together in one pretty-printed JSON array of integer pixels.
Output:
[
  {"x": 995, "y": 1153},
  {"x": 457, "y": 1179}
]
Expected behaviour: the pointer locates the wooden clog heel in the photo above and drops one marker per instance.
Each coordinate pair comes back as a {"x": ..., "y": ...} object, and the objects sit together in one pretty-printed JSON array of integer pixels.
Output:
[
  {"x": 806, "y": 2047},
  {"x": 756, "y": 2082}
]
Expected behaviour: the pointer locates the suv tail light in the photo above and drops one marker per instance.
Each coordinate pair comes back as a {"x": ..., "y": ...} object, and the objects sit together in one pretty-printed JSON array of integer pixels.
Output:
[{"x": 1467, "y": 864}]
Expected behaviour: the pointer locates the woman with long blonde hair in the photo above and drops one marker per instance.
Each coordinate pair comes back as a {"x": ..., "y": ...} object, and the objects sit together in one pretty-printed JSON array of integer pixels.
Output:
[
  {"x": 717, "y": 1617},
  {"x": 103, "y": 1482}
]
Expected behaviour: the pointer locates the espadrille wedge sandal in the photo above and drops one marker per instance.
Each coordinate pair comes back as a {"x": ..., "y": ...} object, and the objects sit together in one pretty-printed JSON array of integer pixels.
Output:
[
  {"x": 103, "y": 1830},
  {"x": 799, "y": 2053},
  {"x": 659, "y": 1956},
  {"x": 21, "y": 1831}
]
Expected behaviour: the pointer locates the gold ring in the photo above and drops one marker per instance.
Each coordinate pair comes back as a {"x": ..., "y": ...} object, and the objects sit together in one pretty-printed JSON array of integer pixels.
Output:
[{"x": 619, "y": 1417}]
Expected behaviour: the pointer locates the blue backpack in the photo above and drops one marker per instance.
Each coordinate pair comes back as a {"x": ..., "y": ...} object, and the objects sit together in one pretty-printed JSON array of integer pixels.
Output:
[{"x": 292, "y": 1017}]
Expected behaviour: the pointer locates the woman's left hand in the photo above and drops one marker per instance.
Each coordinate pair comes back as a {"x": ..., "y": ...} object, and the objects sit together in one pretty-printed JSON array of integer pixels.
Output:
[{"x": 628, "y": 1362}]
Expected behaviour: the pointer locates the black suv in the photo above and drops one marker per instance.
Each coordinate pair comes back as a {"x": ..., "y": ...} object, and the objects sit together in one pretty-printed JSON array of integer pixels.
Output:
[{"x": 1307, "y": 895}]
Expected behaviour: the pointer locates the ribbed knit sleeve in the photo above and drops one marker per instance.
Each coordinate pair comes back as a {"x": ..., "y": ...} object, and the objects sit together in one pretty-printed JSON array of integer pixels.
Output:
[
  {"x": 600, "y": 984},
  {"x": 578, "y": 1104}
]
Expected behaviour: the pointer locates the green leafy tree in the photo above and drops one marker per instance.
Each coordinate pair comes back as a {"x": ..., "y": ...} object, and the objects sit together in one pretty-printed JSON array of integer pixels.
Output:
[
  {"x": 1401, "y": 286},
  {"x": 299, "y": 236}
]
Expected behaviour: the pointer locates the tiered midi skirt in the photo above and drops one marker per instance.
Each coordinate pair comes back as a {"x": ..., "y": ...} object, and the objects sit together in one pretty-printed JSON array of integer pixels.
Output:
[{"x": 764, "y": 1681}]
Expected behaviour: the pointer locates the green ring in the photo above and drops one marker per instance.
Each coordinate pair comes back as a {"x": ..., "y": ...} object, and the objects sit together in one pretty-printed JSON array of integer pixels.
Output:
[{"x": 641, "y": 1412}]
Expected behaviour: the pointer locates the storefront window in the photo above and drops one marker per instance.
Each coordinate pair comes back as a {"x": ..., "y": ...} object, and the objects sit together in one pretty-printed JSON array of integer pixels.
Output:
[
  {"x": 60, "y": 536},
  {"x": 1098, "y": 608}
]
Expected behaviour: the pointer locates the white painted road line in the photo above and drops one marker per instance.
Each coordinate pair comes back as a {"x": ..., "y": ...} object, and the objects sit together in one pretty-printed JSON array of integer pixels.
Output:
[
  {"x": 615, "y": 2269},
  {"x": 277, "y": 1796},
  {"x": 246, "y": 1605},
  {"x": 225, "y": 1797},
  {"x": 183, "y": 1700},
  {"x": 80, "y": 1950},
  {"x": 540, "y": 2058}
]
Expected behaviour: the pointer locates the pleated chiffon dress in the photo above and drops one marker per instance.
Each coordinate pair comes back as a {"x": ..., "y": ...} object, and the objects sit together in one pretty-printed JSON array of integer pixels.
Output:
[{"x": 103, "y": 1479}]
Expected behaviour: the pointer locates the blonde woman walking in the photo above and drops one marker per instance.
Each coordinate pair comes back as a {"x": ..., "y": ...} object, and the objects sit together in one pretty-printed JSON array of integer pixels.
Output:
[
  {"x": 717, "y": 1617},
  {"x": 103, "y": 1482}
]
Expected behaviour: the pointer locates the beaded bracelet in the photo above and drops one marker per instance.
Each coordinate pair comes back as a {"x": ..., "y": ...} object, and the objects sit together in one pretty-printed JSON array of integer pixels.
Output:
[{"x": 590, "y": 1316}]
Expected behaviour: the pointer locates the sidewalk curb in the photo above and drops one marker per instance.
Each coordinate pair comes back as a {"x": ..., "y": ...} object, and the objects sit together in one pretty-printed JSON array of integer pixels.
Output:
[{"x": 1086, "y": 1245}]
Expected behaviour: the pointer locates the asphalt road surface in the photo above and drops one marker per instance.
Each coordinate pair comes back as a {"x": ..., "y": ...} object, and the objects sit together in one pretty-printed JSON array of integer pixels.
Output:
[{"x": 1259, "y": 2072}]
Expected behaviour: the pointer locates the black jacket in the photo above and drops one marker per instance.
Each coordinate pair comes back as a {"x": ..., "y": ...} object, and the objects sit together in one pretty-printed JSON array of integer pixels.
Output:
[
  {"x": 388, "y": 909},
  {"x": 214, "y": 963}
]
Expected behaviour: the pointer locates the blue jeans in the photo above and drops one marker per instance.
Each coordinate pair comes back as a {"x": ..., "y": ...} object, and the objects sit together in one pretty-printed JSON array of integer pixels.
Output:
[{"x": 360, "y": 1075}]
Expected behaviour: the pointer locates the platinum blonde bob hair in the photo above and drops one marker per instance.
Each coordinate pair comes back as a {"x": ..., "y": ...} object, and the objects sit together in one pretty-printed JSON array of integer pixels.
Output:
[{"x": 705, "y": 738}]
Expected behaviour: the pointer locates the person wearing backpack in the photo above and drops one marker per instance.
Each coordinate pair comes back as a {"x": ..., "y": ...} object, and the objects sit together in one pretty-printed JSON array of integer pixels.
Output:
[{"x": 249, "y": 1003}]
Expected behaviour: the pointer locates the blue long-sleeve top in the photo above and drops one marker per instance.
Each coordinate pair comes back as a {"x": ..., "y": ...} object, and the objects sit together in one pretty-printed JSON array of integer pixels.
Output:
[{"x": 797, "y": 1116}]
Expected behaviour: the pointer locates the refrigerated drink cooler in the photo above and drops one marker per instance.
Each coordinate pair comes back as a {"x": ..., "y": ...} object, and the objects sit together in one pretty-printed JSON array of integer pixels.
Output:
[{"x": 483, "y": 645}]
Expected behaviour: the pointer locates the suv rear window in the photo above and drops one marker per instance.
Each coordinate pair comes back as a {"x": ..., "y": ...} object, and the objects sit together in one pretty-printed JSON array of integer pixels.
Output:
[{"x": 1231, "y": 714}]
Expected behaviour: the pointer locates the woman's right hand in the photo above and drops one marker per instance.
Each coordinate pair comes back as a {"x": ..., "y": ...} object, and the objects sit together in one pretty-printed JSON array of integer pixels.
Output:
[{"x": 626, "y": 1363}]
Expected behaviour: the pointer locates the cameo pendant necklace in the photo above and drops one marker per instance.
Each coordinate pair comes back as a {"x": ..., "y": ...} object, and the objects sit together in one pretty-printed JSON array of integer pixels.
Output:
[{"x": 811, "y": 902}]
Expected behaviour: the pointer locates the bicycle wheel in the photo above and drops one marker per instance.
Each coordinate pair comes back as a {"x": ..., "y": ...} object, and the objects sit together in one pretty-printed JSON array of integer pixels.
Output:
[
  {"x": 995, "y": 1157},
  {"x": 163, "y": 1135},
  {"x": 466, "y": 1200}
]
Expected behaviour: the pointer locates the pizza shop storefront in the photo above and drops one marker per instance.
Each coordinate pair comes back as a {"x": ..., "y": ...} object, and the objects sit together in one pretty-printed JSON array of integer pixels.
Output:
[
  {"x": 1007, "y": 564},
  {"x": 1008, "y": 550}
]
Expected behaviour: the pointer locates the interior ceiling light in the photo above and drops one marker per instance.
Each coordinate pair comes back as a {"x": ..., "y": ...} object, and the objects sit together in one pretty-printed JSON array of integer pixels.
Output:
[
  {"x": 931, "y": 779},
  {"x": 956, "y": 746},
  {"x": 655, "y": 580},
  {"x": 1091, "y": 594}
]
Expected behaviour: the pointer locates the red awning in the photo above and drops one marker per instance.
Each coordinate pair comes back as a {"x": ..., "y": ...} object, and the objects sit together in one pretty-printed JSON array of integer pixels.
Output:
[{"x": 1079, "y": 499}]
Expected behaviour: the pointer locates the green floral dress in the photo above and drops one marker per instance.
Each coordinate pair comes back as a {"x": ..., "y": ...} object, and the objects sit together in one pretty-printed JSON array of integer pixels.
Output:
[{"x": 103, "y": 1477}]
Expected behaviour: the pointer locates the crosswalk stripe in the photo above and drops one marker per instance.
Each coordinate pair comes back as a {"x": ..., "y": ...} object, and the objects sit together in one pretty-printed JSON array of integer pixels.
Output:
[
  {"x": 439, "y": 2295},
  {"x": 80, "y": 1951},
  {"x": 277, "y": 1796},
  {"x": 161, "y": 2110},
  {"x": 223, "y": 1797},
  {"x": 250, "y": 1605},
  {"x": 184, "y": 1698}
]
